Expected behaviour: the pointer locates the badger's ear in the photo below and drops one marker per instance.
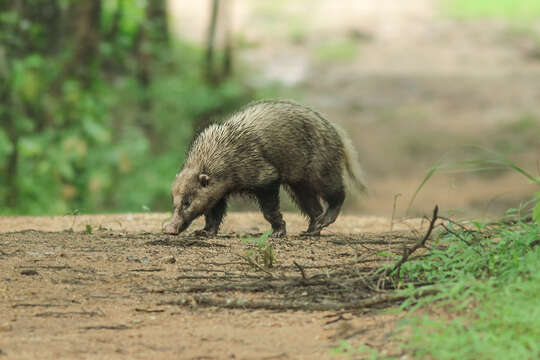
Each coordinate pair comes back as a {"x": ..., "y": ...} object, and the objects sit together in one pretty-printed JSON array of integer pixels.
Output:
[{"x": 204, "y": 179}]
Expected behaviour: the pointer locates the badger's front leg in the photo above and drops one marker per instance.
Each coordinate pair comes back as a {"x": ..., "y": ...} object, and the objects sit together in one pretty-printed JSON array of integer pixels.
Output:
[
  {"x": 268, "y": 198},
  {"x": 213, "y": 219}
]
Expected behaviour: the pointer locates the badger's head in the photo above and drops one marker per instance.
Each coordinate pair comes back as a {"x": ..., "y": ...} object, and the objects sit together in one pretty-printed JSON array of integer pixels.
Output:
[{"x": 194, "y": 193}]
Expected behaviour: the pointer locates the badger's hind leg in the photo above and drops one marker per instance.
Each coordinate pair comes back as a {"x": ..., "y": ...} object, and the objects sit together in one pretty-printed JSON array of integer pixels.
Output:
[
  {"x": 268, "y": 198},
  {"x": 307, "y": 200},
  {"x": 333, "y": 193}
]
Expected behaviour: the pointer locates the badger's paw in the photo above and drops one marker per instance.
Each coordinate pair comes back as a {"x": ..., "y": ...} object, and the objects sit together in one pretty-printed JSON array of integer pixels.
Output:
[{"x": 279, "y": 233}]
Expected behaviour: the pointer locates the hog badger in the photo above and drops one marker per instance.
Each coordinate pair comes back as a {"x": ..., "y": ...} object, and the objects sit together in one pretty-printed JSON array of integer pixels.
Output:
[{"x": 263, "y": 146}]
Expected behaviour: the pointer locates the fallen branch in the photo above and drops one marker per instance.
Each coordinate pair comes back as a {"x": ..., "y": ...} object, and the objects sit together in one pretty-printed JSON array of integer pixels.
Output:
[
  {"x": 35, "y": 305},
  {"x": 106, "y": 327},
  {"x": 284, "y": 285},
  {"x": 337, "y": 318},
  {"x": 149, "y": 310},
  {"x": 63, "y": 314},
  {"x": 468, "y": 243},
  {"x": 420, "y": 244},
  {"x": 258, "y": 266},
  {"x": 301, "y": 269},
  {"x": 147, "y": 270},
  {"x": 238, "y": 303}
]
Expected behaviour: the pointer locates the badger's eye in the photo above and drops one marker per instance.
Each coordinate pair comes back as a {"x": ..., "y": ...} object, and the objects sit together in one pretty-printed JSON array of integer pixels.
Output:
[{"x": 186, "y": 202}]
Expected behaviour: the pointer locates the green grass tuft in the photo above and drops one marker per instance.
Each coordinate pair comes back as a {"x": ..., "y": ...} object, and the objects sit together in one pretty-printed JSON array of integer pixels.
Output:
[
  {"x": 484, "y": 278},
  {"x": 260, "y": 252},
  {"x": 488, "y": 280}
]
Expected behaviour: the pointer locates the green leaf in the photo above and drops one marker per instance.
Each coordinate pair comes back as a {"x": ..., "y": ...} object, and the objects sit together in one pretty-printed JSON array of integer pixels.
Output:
[
  {"x": 387, "y": 254},
  {"x": 24, "y": 124},
  {"x": 6, "y": 147},
  {"x": 30, "y": 147},
  {"x": 479, "y": 225},
  {"x": 65, "y": 169},
  {"x": 34, "y": 61},
  {"x": 30, "y": 87},
  {"x": 258, "y": 240},
  {"x": 536, "y": 211},
  {"x": 95, "y": 130},
  {"x": 71, "y": 91}
]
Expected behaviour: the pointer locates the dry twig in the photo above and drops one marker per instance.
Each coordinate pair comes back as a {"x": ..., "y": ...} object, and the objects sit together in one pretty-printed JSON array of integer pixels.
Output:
[
  {"x": 237, "y": 303},
  {"x": 422, "y": 243},
  {"x": 301, "y": 270}
]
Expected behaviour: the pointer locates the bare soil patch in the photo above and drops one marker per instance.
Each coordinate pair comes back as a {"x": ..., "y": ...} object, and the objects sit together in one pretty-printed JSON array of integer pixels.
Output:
[{"x": 116, "y": 293}]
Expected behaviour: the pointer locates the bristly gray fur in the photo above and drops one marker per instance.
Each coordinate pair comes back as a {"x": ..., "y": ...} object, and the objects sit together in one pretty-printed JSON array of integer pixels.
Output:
[
  {"x": 277, "y": 142},
  {"x": 266, "y": 135}
]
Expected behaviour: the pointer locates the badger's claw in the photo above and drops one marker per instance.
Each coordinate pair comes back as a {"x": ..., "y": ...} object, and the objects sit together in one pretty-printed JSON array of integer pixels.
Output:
[{"x": 278, "y": 233}]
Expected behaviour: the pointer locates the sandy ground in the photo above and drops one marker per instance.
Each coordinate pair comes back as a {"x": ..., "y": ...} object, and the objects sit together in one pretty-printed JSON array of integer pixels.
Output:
[
  {"x": 234, "y": 223},
  {"x": 128, "y": 291}
]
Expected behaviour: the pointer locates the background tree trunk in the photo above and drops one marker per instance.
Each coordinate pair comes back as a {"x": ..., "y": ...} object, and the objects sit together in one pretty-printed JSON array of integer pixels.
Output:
[
  {"x": 112, "y": 32},
  {"x": 152, "y": 34},
  {"x": 7, "y": 120},
  {"x": 84, "y": 19},
  {"x": 44, "y": 14},
  {"x": 227, "y": 33},
  {"x": 210, "y": 43},
  {"x": 156, "y": 15}
]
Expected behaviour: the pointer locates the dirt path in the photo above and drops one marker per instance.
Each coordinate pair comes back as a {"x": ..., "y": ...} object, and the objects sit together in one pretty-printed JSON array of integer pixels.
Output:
[{"x": 128, "y": 291}]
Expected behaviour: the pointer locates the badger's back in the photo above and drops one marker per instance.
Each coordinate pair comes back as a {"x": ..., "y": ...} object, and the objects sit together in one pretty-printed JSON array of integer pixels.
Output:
[
  {"x": 270, "y": 139},
  {"x": 293, "y": 138}
]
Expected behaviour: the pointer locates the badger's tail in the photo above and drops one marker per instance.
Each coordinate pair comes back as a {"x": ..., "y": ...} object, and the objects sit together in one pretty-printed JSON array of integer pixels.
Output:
[{"x": 352, "y": 165}]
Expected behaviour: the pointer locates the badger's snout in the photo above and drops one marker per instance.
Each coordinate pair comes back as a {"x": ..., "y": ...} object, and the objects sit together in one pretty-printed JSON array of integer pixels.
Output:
[{"x": 171, "y": 229}]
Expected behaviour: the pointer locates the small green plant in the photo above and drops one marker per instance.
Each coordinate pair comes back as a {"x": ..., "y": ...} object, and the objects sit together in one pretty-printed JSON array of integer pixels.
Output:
[
  {"x": 74, "y": 215},
  {"x": 536, "y": 210},
  {"x": 88, "y": 229},
  {"x": 260, "y": 252}
]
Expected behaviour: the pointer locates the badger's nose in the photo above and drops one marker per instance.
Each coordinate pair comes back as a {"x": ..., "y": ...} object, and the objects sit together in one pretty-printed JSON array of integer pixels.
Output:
[{"x": 171, "y": 229}]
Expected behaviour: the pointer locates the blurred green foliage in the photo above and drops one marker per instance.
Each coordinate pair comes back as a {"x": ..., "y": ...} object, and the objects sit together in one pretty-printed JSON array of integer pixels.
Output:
[
  {"x": 338, "y": 51},
  {"x": 99, "y": 117},
  {"x": 510, "y": 10}
]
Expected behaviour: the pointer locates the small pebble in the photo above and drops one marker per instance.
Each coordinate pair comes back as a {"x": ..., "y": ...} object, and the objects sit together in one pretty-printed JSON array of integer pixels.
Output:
[
  {"x": 168, "y": 259},
  {"x": 144, "y": 259},
  {"x": 6, "y": 327}
]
